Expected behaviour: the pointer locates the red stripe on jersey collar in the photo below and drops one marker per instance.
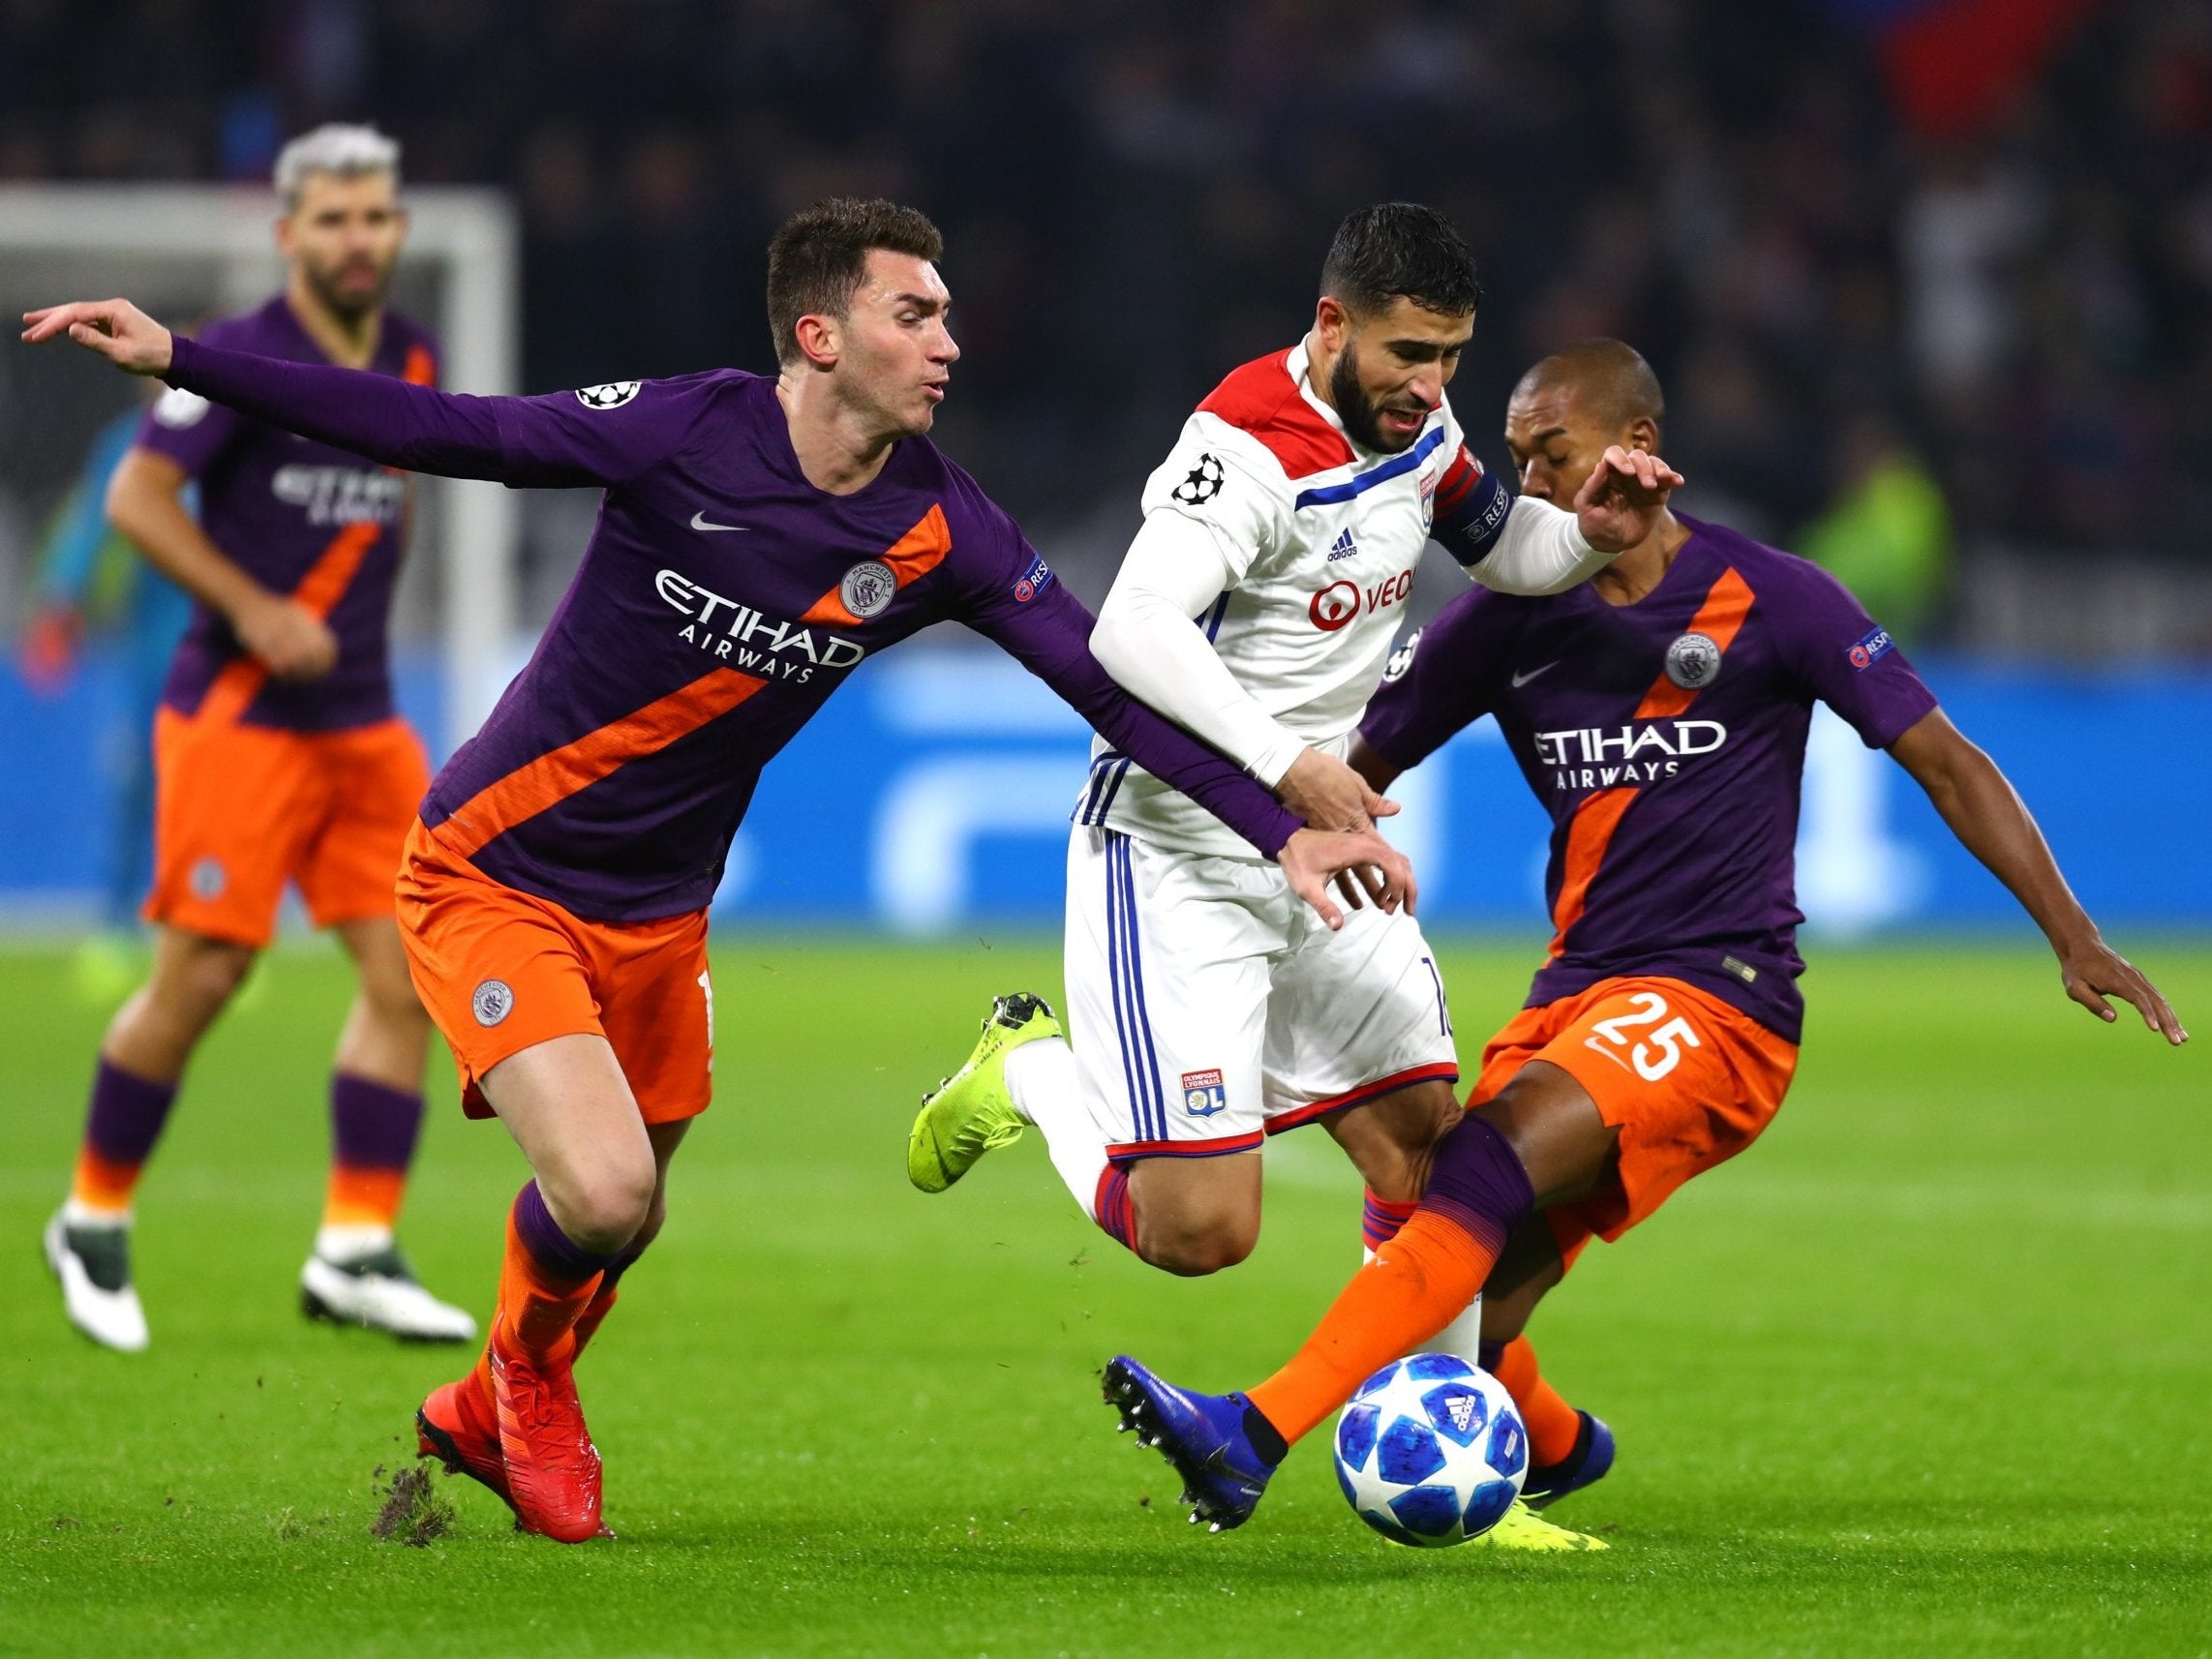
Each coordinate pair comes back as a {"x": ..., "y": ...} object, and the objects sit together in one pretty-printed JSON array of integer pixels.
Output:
[{"x": 1262, "y": 397}]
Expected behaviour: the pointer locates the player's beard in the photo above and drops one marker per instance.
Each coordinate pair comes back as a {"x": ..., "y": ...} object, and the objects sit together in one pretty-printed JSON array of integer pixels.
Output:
[
  {"x": 1361, "y": 414},
  {"x": 348, "y": 306}
]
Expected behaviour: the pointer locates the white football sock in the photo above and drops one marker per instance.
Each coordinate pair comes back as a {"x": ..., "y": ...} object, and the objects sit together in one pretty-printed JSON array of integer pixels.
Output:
[
  {"x": 1041, "y": 1078},
  {"x": 349, "y": 1243},
  {"x": 1463, "y": 1337},
  {"x": 75, "y": 1213}
]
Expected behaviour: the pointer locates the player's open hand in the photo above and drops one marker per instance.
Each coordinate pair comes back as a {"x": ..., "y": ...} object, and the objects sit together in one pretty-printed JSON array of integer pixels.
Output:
[
  {"x": 2094, "y": 971},
  {"x": 1312, "y": 858},
  {"x": 1619, "y": 503},
  {"x": 115, "y": 328},
  {"x": 1329, "y": 794},
  {"x": 291, "y": 639}
]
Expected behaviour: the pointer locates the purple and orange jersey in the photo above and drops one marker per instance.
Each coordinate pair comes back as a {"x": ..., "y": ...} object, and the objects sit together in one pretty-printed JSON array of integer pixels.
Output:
[
  {"x": 301, "y": 517},
  {"x": 1667, "y": 741},
  {"x": 722, "y": 598}
]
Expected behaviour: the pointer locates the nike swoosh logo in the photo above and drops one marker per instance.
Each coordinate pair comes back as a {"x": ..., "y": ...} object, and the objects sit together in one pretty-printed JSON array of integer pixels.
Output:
[
  {"x": 699, "y": 523},
  {"x": 1521, "y": 680}
]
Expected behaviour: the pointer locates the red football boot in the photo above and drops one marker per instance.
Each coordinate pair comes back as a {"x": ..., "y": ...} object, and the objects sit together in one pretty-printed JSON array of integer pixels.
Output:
[
  {"x": 460, "y": 1430},
  {"x": 553, "y": 1469}
]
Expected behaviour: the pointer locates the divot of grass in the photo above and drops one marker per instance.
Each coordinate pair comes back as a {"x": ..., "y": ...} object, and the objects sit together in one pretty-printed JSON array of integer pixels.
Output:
[{"x": 412, "y": 1513}]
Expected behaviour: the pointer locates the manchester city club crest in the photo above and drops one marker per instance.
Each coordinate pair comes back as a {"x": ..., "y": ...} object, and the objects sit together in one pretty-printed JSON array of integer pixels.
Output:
[
  {"x": 1693, "y": 661},
  {"x": 611, "y": 396},
  {"x": 494, "y": 1000},
  {"x": 868, "y": 588}
]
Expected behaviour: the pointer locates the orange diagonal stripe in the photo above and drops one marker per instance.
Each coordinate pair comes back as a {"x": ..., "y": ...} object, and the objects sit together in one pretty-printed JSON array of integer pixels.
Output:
[
  {"x": 319, "y": 590},
  {"x": 1727, "y": 603},
  {"x": 553, "y": 777},
  {"x": 1588, "y": 836},
  {"x": 912, "y": 556}
]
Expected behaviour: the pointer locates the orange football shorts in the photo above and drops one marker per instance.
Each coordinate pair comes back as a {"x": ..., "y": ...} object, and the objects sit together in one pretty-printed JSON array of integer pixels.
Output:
[
  {"x": 1687, "y": 1080},
  {"x": 501, "y": 970},
  {"x": 239, "y": 810}
]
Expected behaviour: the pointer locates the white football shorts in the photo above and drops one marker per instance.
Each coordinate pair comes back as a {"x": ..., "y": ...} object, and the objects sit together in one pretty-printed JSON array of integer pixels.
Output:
[{"x": 1208, "y": 1007}]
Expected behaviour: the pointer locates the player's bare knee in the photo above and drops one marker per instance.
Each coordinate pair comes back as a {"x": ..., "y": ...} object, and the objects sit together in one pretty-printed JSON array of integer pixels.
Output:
[
  {"x": 196, "y": 983},
  {"x": 1392, "y": 1141},
  {"x": 1192, "y": 1251},
  {"x": 1553, "y": 1128},
  {"x": 602, "y": 1208}
]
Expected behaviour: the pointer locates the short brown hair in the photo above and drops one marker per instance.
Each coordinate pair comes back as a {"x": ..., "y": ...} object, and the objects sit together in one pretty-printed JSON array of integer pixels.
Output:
[
  {"x": 818, "y": 260},
  {"x": 1612, "y": 377}
]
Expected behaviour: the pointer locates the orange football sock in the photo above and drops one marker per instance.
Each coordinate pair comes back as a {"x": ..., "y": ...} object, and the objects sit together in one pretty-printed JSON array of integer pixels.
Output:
[
  {"x": 373, "y": 1131},
  {"x": 358, "y": 1197},
  {"x": 1417, "y": 1283},
  {"x": 545, "y": 1281},
  {"x": 104, "y": 1185},
  {"x": 1553, "y": 1423},
  {"x": 594, "y": 1315},
  {"x": 603, "y": 1301}
]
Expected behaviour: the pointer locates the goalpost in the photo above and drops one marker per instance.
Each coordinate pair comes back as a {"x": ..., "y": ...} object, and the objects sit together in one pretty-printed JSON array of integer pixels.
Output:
[{"x": 185, "y": 250}]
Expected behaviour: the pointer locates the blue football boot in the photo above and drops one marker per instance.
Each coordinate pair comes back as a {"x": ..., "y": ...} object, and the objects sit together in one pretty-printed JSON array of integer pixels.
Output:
[
  {"x": 1585, "y": 1465},
  {"x": 1206, "y": 1436}
]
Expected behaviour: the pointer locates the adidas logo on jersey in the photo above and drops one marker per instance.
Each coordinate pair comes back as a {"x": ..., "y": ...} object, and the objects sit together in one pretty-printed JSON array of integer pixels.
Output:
[{"x": 1345, "y": 547}]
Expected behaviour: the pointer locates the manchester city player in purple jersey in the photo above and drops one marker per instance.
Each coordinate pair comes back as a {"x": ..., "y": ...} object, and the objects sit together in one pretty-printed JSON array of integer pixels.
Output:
[
  {"x": 1659, "y": 712},
  {"x": 277, "y": 756},
  {"x": 758, "y": 539}
]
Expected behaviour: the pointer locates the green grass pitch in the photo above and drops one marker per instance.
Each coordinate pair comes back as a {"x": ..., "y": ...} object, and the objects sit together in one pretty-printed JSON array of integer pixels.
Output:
[{"x": 1927, "y": 1371}]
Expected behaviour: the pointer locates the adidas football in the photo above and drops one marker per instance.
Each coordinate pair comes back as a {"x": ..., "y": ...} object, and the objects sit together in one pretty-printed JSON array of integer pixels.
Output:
[{"x": 1432, "y": 1451}]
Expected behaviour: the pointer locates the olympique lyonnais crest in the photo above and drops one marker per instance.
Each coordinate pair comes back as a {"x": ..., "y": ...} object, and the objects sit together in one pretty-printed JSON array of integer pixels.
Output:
[
  {"x": 1693, "y": 661},
  {"x": 611, "y": 396},
  {"x": 1203, "y": 1093},
  {"x": 868, "y": 588}
]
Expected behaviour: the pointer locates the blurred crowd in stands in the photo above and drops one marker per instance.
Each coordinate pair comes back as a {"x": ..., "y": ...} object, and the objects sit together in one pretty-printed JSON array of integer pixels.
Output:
[{"x": 1876, "y": 338}]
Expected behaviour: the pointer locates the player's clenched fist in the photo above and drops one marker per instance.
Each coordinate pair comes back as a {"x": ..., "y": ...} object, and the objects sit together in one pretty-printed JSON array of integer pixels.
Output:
[
  {"x": 115, "y": 328},
  {"x": 289, "y": 638}
]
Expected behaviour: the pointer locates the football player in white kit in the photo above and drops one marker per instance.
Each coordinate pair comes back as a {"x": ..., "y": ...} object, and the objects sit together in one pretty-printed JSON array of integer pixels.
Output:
[{"x": 1207, "y": 1006}]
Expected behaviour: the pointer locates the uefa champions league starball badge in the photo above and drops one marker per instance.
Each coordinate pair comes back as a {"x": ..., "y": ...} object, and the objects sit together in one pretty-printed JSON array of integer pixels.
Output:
[
  {"x": 611, "y": 396},
  {"x": 1693, "y": 661}
]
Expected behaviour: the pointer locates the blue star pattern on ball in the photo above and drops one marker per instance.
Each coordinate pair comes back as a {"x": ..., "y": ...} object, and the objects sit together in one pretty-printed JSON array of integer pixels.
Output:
[{"x": 1431, "y": 1451}]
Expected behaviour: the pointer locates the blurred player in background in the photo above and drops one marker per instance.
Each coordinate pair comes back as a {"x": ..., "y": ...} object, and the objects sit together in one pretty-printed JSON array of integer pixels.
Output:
[
  {"x": 90, "y": 580},
  {"x": 1659, "y": 715},
  {"x": 758, "y": 539},
  {"x": 1207, "y": 1010},
  {"x": 278, "y": 757}
]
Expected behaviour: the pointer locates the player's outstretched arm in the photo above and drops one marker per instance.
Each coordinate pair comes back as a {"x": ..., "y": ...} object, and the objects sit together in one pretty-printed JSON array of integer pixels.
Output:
[
  {"x": 1175, "y": 570},
  {"x": 379, "y": 416},
  {"x": 1992, "y": 822},
  {"x": 1050, "y": 635},
  {"x": 112, "y": 328}
]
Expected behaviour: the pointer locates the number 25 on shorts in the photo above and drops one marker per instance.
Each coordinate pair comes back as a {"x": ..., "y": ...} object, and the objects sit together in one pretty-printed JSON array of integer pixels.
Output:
[{"x": 1651, "y": 1054}]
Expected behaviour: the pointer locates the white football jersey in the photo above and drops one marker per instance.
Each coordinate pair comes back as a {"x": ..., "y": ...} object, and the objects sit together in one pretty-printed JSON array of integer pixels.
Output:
[{"x": 1323, "y": 539}]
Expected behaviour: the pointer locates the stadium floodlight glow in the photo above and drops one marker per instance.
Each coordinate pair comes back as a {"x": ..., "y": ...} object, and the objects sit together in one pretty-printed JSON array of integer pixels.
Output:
[{"x": 57, "y": 240}]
